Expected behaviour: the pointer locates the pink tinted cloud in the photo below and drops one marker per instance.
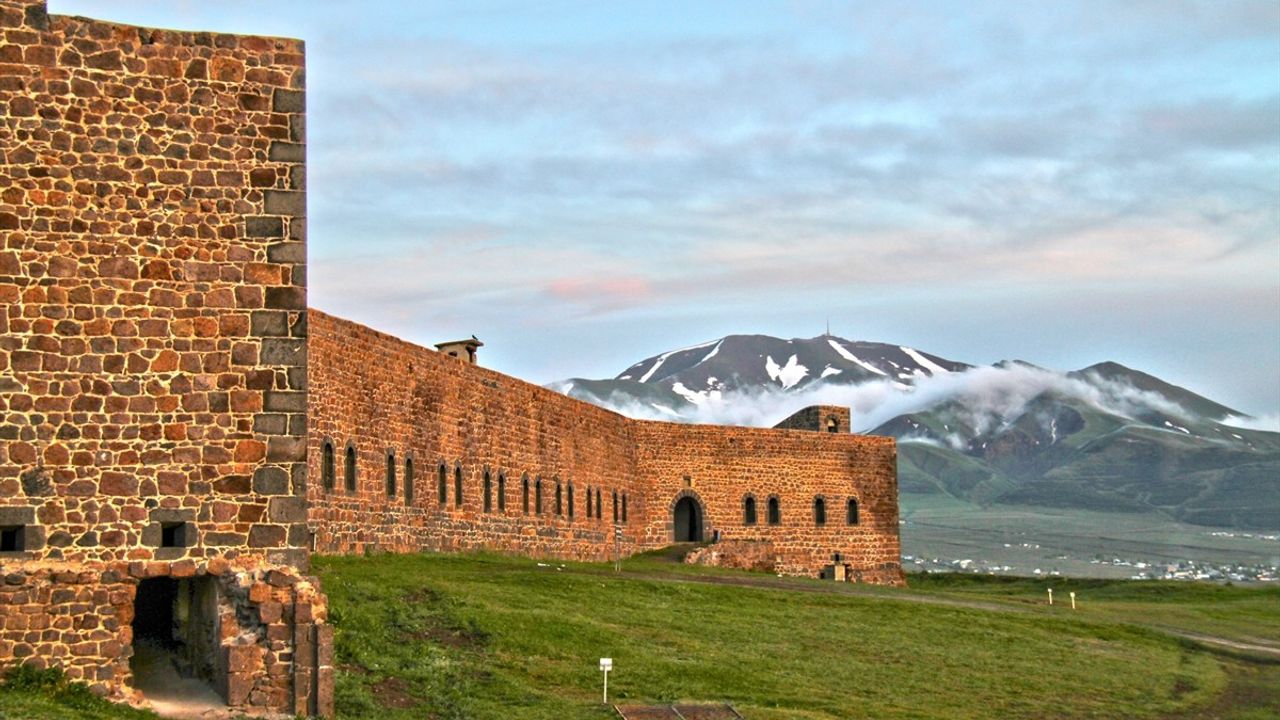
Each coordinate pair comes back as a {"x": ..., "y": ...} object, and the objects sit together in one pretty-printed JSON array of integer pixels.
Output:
[{"x": 600, "y": 293}]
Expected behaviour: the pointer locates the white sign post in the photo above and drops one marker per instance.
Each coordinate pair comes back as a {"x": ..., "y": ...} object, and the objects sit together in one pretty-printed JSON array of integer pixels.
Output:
[
  {"x": 1050, "y": 596},
  {"x": 606, "y": 664},
  {"x": 1073, "y": 600}
]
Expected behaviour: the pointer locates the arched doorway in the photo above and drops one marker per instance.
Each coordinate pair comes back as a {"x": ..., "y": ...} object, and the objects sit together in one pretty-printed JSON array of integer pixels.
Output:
[{"x": 688, "y": 520}]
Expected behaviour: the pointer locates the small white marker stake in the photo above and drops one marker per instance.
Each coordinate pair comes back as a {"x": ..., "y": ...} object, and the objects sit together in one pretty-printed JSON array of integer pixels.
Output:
[
  {"x": 1050, "y": 596},
  {"x": 1073, "y": 601},
  {"x": 606, "y": 664}
]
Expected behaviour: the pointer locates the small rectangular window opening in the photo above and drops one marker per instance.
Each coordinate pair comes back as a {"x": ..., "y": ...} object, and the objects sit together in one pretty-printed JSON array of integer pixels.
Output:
[
  {"x": 173, "y": 534},
  {"x": 12, "y": 538}
]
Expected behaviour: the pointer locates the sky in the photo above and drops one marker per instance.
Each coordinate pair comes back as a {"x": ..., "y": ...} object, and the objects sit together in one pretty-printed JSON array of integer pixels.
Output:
[{"x": 583, "y": 185}]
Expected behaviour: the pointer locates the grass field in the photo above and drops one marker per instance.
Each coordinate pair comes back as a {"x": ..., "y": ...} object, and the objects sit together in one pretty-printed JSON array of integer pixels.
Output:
[
  {"x": 481, "y": 636},
  {"x": 1067, "y": 540}
]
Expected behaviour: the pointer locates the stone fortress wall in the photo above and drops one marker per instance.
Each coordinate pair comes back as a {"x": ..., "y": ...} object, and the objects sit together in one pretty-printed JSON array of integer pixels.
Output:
[
  {"x": 178, "y": 432},
  {"x": 415, "y": 426},
  {"x": 152, "y": 378}
]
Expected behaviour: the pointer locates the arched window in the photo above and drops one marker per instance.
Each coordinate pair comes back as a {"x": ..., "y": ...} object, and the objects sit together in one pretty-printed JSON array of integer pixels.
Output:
[
  {"x": 624, "y": 507},
  {"x": 851, "y": 512},
  {"x": 833, "y": 425},
  {"x": 537, "y": 497},
  {"x": 599, "y": 504},
  {"x": 391, "y": 473},
  {"x": 444, "y": 485},
  {"x": 349, "y": 468},
  {"x": 570, "y": 501},
  {"x": 615, "y": 506},
  {"x": 775, "y": 511},
  {"x": 819, "y": 511},
  {"x": 589, "y": 510},
  {"x": 326, "y": 466},
  {"x": 502, "y": 492},
  {"x": 488, "y": 492},
  {"x": 524, "y": 492},
  {"x": 408, "y": 480},
  {"x": 457, "y": 486},
  {"x": 748, "y": 510},
  {"x": 559, "y": 499}
]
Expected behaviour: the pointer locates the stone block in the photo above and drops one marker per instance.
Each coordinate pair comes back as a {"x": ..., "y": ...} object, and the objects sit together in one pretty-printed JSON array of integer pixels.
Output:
[
  {"x": 286, "y": 448},
  {"x": 289, "y": 101},
  {"x": 265, "y": 536},
  {"x": 270, "y": 481},
  {"x": 283, "y": 351},
  {"x": 264, "y": 227},
  {"x": 269, "y": 323},
  {"x": 288, "y": 152},
  {"x": 286, "y": 298},
  {"x": 288, "y": 509}
]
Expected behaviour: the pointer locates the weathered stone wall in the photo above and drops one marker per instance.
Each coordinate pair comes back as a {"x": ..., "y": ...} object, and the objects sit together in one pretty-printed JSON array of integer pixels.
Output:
[
  {"x": 152, "y": 303},
  {"x": 722, "y": 466},
  {"x": 382, "y": 397},
  {"x": 273, "y": 648},
  {"x": 152, "y": 287}
]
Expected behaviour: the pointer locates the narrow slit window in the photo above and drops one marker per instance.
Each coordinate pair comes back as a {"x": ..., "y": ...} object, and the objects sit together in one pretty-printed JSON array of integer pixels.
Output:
[
  {"x": 851, "y": 512},
  {"x": 748, "y": 510},
  {"x": 408, "y": 481},
  {"x": 537, "y": 497},
  {"x": 819, "y": 511},
  {"x": 624, "y": 507},
  {"x": 524, "y": 493},
  {"x": 775, "y": 511},
  {"x": 570, "y": 501},
  {"x": 488, "y": 492},
  {"x": 502, "y": 492},
  {"x": 599, "y": 505},
  {"x": 349, "y": 468},
  {"x": 589, "y": 506},
  {"x": 391, "y": 474},
  {"x": 559, "y": 499},
  {"x": 615, "y": 506},
  {"x": 443, "y": 490},
  {"x": 327, "y": 466},
  {"x": 457, "y": 486}
]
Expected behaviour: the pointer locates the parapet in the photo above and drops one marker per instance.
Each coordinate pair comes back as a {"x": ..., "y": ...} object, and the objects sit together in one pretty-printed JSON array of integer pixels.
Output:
[{"x": 819, "y": 418}]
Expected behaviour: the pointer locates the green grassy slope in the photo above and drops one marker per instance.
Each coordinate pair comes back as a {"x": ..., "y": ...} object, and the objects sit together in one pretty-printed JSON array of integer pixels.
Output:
[
  {"x": 479, "y": 636},
  {"x": 497, "y": 637}
]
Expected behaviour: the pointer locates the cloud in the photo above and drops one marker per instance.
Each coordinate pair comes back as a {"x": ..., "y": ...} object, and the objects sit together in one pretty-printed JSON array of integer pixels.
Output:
[
  {"x": 982, "y": 398},
  {"x": 1267, "y": 423}
]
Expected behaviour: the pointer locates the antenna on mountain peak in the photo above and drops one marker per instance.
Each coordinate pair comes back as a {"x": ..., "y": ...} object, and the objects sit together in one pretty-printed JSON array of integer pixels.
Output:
[{"x": 828, "y": 333}]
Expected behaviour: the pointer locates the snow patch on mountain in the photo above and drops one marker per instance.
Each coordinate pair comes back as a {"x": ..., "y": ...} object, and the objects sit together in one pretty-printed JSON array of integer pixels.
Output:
[
  {"x": 788, "y": 375},
  {"x": 663, "y": 357},
  {"x": 844, "y": 353},
  {"x": 924, "y": 362}
]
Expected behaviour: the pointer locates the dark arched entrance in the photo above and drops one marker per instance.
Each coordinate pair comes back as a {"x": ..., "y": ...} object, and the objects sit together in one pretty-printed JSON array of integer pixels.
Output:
[{"x": 688, "y": 520}]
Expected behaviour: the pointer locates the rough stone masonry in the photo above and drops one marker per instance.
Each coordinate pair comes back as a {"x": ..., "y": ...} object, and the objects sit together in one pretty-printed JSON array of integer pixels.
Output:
[
  {"x": 152, "y": 367},
  {"x": 178, "y": 431}
]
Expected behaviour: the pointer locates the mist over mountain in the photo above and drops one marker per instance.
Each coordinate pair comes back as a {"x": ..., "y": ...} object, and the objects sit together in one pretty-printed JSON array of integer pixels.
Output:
[{"x": 1105, "y": 437}]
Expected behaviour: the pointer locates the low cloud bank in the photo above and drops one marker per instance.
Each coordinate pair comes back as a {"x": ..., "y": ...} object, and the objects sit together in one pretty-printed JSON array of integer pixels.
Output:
[
  {"x": 1267, "y": 423},
  {"x": 983, "y": 398}
]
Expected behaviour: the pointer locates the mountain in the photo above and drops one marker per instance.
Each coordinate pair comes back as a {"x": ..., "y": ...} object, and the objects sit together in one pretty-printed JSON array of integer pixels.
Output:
[
  {"x": 1105, "y": 437},
  {"x": 695, "y": 374}
]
